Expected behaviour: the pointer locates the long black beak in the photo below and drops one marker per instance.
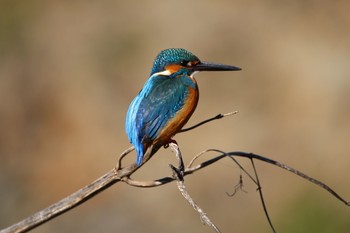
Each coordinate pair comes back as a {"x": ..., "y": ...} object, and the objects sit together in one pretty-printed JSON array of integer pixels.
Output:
[{"x": 207, "y": 66}]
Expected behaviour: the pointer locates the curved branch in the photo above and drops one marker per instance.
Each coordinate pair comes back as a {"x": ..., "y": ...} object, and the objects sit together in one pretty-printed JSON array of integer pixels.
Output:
[
  {"x": 292, "y": 170},
  {"x": 192, "y": 169}
]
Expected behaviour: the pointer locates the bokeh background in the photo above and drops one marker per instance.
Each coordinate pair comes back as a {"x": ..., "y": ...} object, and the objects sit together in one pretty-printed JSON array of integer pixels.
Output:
[{"x": 69, "y": 69}]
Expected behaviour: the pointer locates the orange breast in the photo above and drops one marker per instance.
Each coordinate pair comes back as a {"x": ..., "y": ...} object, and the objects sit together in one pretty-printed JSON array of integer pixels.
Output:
[{"x": 181, "y": 118}]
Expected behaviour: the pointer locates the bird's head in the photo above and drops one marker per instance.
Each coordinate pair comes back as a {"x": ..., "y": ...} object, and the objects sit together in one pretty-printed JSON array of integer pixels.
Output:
[{"x": 171, "y": 61}]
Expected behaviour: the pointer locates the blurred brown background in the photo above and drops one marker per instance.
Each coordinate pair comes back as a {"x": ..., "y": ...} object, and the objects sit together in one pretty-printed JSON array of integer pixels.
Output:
[{"x": 68, "y": 71}]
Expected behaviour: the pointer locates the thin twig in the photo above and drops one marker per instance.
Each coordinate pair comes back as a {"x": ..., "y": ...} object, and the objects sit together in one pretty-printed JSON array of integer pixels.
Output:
[
  {"x": 262, "y": 197},
  {"x": 175, "y": 148},
  {"x": 203, "y": 216},
  {"x": 178, "y": 176},
  {"x": 122, "y": 155},
  {"x": 217, "y": 117},
  {"x": 233, "y": 159}
]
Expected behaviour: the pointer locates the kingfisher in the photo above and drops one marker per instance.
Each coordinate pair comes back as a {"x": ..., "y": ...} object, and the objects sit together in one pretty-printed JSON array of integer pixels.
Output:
[{"x": 166, "y": 101}]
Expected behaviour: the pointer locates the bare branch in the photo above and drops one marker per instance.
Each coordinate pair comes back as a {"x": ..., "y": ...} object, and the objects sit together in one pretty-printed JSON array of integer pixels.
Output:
[
  {"x": 292, "y": 170},
  {"x": 262, "y": 197},
  {"x": 178, "y": 176},
  {"x": 231, "y": 157},
  {"x": 217, "y": 117},
  {"x": 203, "y": 216},
  {"x": 192, "y": 169}
]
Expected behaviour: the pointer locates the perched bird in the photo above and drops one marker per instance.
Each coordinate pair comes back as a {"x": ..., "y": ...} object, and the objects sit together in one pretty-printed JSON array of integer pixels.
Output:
[{"x": 166, "y": 101}]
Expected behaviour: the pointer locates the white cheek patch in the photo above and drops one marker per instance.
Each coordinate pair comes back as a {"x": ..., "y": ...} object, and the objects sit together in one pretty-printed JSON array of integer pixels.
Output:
[
  {"x": 163, "y": 73},
  {"x": 168, "y": 73}
]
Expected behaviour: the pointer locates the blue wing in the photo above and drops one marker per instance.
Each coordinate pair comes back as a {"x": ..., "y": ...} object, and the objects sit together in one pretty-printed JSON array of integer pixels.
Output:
[{"x": 158, "y": 102}]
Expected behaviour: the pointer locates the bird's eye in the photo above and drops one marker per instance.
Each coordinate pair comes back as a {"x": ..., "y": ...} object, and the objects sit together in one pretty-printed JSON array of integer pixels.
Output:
[{"x": 184, "y": 63}]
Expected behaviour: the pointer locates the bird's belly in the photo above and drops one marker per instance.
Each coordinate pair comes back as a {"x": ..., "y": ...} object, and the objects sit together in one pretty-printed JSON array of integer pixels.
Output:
[{"x": 180, "y": 119}]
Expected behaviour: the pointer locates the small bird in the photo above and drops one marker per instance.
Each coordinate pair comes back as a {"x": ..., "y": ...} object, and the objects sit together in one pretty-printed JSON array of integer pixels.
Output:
[{"x": 166, "y": 101}]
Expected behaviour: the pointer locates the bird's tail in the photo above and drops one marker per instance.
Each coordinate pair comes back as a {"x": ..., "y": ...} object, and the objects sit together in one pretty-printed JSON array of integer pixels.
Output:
[{"x": 150, "y": 151}]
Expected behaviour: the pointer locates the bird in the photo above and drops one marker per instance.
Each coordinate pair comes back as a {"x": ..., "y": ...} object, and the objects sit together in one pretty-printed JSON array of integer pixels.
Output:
[{"x": 167, "y": 100}]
